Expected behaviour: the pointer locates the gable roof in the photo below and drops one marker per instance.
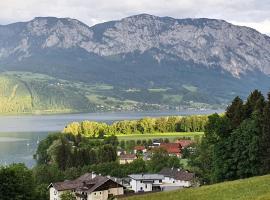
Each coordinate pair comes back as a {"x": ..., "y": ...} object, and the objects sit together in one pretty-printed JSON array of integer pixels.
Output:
[
  {"x": 171, "y": 148},
  {"x": 93, "y": 184},
  {"x": 85, "y": 182},
  {"x": 177, "y": 174},
  {"x": 70, "y": 185},
  {"x": 146, "y": 176}
]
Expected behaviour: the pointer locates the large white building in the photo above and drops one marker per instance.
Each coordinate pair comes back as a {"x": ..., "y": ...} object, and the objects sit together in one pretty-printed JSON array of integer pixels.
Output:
[
  {"x": 146, "y": 182},
  {"x": 87, "y": 187},
  {"x": 167, "y": 179}
]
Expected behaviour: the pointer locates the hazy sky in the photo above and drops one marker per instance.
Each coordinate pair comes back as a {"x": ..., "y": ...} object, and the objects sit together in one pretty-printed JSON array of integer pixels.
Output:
[{"x": 253, "y": 13}]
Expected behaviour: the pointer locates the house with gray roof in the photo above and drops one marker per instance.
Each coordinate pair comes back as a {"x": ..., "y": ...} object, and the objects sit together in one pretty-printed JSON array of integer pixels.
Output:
[
  {"x": 146, "y": 182},
  {"x": 87, "y": 187},
  {"x": 176, "y": 178}
]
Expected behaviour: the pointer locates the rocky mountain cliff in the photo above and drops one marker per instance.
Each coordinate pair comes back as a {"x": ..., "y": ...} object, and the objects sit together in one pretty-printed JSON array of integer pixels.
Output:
[
  {"x": 204, "y": 41},
  {"x": 143, "y": 51}
]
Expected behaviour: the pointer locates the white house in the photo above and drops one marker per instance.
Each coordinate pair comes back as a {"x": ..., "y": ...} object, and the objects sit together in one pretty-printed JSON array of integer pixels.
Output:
[
  {"x": 146, "y": 182},
  {"x": 87, "y": 187},
  {"x": 176, "y": 178}
]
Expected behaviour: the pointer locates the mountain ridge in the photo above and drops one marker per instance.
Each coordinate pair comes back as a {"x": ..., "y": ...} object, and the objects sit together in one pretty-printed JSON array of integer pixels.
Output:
[
  {"x": 143, "y": 53},
  {"x": 94, "y": 40}
]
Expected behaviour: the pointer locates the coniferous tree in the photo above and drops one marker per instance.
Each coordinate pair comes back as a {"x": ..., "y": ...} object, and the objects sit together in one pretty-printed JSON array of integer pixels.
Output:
[
  {"x": 265, "y": 139},
  {"x": 235, "y": 112}
]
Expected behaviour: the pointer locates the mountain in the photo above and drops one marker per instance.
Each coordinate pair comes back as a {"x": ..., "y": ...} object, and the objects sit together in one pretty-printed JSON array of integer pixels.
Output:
[{"x": 147, "y": 61}]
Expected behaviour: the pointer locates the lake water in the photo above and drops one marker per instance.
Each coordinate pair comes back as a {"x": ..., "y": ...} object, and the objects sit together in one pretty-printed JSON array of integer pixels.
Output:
[{"x": 19, "y": 135}]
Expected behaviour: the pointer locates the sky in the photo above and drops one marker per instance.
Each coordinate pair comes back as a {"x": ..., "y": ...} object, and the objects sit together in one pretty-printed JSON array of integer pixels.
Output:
[{"x": 252, "y": 13}]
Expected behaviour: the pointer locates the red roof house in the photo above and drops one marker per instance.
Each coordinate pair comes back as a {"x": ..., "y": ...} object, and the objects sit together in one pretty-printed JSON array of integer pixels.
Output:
[
  {"x": 139, "y": 148},
  {"x": 172, "y": 148},
  {"x": 185, "y": 143}
]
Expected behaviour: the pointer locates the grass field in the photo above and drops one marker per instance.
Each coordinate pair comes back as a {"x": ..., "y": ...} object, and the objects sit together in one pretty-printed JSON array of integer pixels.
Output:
[
  {"x": 170, "y": 136},
  {"x": 257, "y": 188}
]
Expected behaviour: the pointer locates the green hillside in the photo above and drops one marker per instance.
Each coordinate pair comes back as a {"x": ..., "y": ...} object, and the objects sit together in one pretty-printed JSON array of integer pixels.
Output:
[
  {"x": 257, "y": 188},
  {"x": 25, "y": 92},
  {"x": 35, "y": 93}
]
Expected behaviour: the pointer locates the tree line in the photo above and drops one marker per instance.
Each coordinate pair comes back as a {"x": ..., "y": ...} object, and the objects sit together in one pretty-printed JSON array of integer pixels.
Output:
[
  {"x": 237, "y": 144},
  {"x": 194, "y": 123},
  {"x": 67, "y": 150}
]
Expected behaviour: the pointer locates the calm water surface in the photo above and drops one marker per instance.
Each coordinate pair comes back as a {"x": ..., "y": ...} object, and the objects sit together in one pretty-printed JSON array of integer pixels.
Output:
[{"x": 19, "y": 135}]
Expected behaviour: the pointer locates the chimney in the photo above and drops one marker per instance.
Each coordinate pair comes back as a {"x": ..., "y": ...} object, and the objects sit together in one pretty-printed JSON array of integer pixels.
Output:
[{"x": 93, "y": 175}]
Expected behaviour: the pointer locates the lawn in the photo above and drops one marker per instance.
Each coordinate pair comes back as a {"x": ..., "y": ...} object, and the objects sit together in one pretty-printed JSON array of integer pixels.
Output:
[
  {"x": 257, "y": 188},
  {"x": 169, "y": 135}
]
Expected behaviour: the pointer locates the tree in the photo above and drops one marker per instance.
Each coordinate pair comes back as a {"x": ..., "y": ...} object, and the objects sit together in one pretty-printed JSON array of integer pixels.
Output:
[
  {"x": 158, "y": 160},
  {"x": 255, "y": 102},
  {"x": 61, "y": 153},
  {"x": 265, "y": 139},
  {"x": 46, "y": 174},
  {"x": 67, "y": 196},
  {"x": 235, "y": 112},
  {"x": 245, "y": 152},
  {"x": 113, "y": 140},
  {"x": 235, "y": 145},
  {"x": 16, "y": 183},
  {"x": 41, "y": 155},
  {"x": 107, "y": 153},
  {"x": 42, "y": 192},
  {"x": 173, "y": 162}
]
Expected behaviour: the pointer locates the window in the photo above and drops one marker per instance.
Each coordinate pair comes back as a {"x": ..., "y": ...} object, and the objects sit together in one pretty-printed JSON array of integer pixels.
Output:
[
  {"x": 100, "y": 193},
  {"x": 141, "y": 181},
  {"x": 141, "y": 189},
  {"x": 95, "y": 193},
  {"x": 55, "y": 192},
  {"x": 145, "y": 186},
  {"x": 160, "y": 181}
]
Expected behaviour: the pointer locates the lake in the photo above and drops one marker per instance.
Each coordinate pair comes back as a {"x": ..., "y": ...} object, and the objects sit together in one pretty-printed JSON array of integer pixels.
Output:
[{"x": 20, "y": 135}]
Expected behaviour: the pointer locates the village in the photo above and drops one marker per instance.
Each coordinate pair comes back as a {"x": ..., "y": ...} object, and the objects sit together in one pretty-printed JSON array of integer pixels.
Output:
[{"x": 92, "y": 186}]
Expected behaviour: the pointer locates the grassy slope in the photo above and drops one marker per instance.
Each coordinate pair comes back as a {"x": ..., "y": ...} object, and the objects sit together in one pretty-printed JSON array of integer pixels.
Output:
[
  {"x": 35, "y": 93},
  {"x": 256, "y": 188},
  {"x": 159, "y": 135}
]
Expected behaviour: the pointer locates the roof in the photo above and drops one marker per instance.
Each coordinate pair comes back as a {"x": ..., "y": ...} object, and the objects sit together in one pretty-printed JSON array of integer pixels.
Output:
[
  {"x": 177, "y": 174},
  {"x": 185, "y": 143},
  {"x": 139, "y": 148},
  {"x": 174, "y": 148},
  {"x": 146, "y": 176},
  {"x": 85, "y": 182},
  {"x": 93, "y": 184},
  {"x": 69, "y": 185},
  {"x": 128, "y": 156}
]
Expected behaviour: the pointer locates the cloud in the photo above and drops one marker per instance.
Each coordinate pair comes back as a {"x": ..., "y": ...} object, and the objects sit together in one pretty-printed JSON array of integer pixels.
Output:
[
  {"x": 263, "y": 26},
  {"x": 253, "y": 13}
]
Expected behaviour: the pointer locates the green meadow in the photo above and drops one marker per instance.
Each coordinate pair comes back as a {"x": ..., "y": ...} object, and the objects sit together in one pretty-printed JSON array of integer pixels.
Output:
[
  {"x": 256, "y": 188},
  {"x": 169, "y": 135}
]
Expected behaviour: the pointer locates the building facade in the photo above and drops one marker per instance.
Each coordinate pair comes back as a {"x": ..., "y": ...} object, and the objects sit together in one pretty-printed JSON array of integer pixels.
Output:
[
  {"x": 146, "y": 182},
  {"x": 87, "y": 187}
]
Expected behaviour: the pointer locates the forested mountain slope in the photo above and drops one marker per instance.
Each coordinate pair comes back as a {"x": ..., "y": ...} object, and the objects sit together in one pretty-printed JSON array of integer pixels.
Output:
[{"x": 145, "y": 59}]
